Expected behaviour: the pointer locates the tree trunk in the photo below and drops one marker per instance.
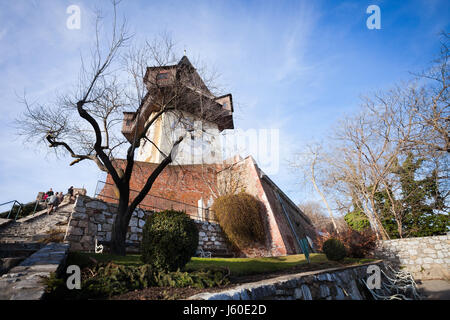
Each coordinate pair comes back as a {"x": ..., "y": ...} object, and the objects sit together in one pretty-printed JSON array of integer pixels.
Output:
[
  {"x": 400, "y": 229},
  {"x": 313, "y": 180},
  {"x": 119, "y": 230},
  {"x": 125, "y": 209}
]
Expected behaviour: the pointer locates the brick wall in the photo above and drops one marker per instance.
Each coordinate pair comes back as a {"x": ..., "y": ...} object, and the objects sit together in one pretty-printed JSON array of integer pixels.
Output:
[
  {"x": 187, "y": 184},
  {"x": 281, "y": 240}
]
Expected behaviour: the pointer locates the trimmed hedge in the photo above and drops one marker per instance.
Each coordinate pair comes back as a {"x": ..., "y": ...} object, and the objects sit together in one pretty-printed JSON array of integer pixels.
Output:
[
  {"x": 240, "y": 217},
  {"x": 169, "y": 240}
]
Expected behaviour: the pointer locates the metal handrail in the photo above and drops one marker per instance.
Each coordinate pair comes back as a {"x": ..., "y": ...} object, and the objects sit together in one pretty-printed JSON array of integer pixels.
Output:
[
  {"x": 302, "y": 243},
  {"x": 99, "y": 194},
  {"x": 35, "y": 206},
  {"x": 14, "y": 202},
  {"x": 150, "y": 195}
]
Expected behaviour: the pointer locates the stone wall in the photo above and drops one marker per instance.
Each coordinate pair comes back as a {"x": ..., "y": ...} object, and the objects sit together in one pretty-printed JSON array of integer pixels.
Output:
[
  {"x": 425, "y": 257},
  {"x": 330, "y": 284},
  {"x": 212, "y": 238},
  {"x": 93, "y": 219}
]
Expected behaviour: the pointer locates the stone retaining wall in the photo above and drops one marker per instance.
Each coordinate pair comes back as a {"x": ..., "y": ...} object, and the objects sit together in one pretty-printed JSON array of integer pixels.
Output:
[
  {"x": 425, "y": 257},
  {"x": 24, "y": 282},
  {"x": 93, "y": 219},
  {"x": 211, "y": 237},
  {"x": 328, "y": 284}
]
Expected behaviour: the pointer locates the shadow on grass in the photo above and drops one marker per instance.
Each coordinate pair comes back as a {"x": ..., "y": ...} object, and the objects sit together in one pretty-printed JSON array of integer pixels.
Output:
[
  {"x": 86, "y": 259},
  {"x": 251, "y": 266}
]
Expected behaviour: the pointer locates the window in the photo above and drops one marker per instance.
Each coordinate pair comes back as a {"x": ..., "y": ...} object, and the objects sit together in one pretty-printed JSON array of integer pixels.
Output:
[
  {"x": 224, "y": 105},
  {"x": 162, "y": 75}
]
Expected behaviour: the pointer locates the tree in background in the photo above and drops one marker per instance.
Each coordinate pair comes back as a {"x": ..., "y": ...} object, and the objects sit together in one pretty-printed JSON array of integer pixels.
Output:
[
  {"x": 314, "y": 164},
  {"x": 357, "y": 220},
  {"x": 420, "y": 201},
  {"x": 319, "y": 218},
  {"x": 359, "y": 165}
]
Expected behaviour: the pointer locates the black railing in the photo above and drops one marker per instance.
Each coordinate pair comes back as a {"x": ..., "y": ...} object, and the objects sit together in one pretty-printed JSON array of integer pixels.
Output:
[{"x": 158, "y": 203}]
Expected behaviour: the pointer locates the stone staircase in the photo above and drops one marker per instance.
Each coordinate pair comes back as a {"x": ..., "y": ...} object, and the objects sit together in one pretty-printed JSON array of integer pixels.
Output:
[
  {"x": 28, "y": 252},
  {"x": 22, "y": 238},
  {"x": 37, "y": 227}
]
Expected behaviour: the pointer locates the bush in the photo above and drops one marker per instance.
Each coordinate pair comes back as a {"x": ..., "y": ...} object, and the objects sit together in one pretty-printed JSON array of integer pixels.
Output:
[
  {"x": 106, "y": 280},
  {"x": 112, "y": 279},
  {"x": 197, "y": 279},
  {"x": 357, "y": 244},
  {"x": 169, "y": 240},
  {"x": 334, "y": 249},
  {"x": 240, "y": 217}
]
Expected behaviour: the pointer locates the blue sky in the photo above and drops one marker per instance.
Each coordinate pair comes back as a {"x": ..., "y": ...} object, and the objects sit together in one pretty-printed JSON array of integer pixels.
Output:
[{"x": 296, "y": 66}]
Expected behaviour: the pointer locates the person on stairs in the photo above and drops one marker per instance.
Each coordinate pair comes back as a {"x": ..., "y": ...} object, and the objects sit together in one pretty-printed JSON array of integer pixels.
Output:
[
  {"x": 60, "y": 197},
  {"x": 52, "y": 202},
  {"x": 70, "y": 193},
  {"x": 50, "y": 192}
]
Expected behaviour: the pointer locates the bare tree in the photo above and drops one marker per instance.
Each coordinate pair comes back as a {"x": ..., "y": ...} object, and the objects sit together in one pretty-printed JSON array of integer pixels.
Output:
[
  {"x": 359, "y": 160},
  {"x": 319, "y": 218},
  {"x": 431, "y": 110},
  {"x": 310, "y": 162},
  {"x": 412, "y": 118},
  {"x": 86, "y": 124},
  {"x": 313, "y": 164},
  {"x": 366, "y": 156}
]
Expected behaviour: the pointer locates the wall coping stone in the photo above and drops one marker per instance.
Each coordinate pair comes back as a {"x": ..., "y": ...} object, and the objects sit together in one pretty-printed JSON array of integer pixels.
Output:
[{"x": 264, "y": 288}]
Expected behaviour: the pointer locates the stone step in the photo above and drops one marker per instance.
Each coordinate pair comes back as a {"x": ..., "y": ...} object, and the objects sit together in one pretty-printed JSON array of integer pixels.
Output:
[
  {"x": 24, "y": 282},
  {"x": 37, "y": 225},
  {"x": 5, "y": 222},
  {"x": 18, "y": 248},
  {"x": 20, "y": 245}
]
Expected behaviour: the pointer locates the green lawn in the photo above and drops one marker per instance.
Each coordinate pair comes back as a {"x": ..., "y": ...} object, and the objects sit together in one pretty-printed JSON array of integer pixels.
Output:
[
  {"x": 247, "y": 266},
  {"x": 237, "y": 266}
]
